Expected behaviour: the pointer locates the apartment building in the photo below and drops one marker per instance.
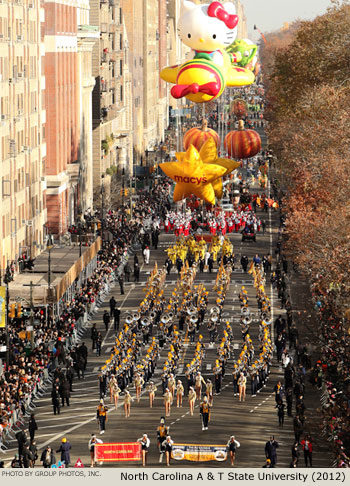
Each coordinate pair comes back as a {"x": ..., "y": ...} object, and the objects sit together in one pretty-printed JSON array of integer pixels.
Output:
[
  {"x": 112, "y": 125},
  {"x": 22, "y": 130}
]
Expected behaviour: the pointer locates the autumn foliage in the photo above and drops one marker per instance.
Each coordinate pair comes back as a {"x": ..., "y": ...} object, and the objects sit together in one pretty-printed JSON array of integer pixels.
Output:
[{"x": 307, "y": 77}]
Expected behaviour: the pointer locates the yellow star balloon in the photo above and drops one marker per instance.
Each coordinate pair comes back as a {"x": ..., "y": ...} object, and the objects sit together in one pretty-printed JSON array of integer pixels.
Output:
[
  {"x": 192, "y": 175},
  {"x": 209, "y": 155}
]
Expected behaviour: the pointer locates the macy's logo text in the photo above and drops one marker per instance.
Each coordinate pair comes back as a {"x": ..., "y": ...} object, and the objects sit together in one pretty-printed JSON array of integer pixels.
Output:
[{"x": 191, "y": 180}]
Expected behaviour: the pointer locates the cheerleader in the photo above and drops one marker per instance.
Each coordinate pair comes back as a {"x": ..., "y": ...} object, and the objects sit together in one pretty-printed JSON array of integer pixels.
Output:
[
  {"x": 116, "y": 390},
  {"x": 198, "y": 385},
  {"x": 139, "y": 382},
  {"x": 111, "y": 385},
  {"x": 127, "y": 403},
  {"x": 191, "y": 399},
  {"x": 145, "y": 443},
  {"x": 151, "y": 392},
  {"x": 242, "y": 382},
  {"x": 209, "y": 392},
  {"x": 179, "y": 393},
  {"x": 168, "y": 398},
  {"x": 171, "y": 384}
]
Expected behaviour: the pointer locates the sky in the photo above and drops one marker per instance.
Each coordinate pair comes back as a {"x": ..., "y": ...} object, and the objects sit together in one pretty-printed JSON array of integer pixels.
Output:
[{"x": 270, "y": 15}]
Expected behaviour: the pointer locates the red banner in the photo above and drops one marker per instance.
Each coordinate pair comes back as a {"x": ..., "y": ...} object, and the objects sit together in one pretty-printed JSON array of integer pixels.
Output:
[{"x": 118, "y": 451}]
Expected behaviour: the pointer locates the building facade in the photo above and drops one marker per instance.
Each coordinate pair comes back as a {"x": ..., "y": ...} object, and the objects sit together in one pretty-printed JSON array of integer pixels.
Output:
[{"x": 22, "y": 130}]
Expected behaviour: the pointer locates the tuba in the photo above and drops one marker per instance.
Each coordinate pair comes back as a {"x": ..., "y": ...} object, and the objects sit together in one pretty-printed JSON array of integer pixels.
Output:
[
  {"x": 215, "y": 310},
  {"x": 165, "y": 318},
  {"x": 129, "y": 319},
  {"x": 136, "y": 316},
  {"x": 145, "y": 322},
  {"x": 153, "y": 315}
]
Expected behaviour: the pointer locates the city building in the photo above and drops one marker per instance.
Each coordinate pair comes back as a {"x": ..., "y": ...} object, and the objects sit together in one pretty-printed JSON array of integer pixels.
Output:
[
  {"x": 111, "y": 104},
  {"x": 68, "y": 87},
  {"x": 22, "y": 130}
]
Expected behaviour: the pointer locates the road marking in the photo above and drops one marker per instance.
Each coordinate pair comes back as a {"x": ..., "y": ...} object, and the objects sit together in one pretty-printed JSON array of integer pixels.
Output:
[
  {"x": 208, "y": 366},
  {"x": 161, "y": 458}
]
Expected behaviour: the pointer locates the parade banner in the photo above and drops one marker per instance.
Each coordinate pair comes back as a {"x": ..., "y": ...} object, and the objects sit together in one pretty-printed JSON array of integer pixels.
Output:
[
  {"x": 118, "y": 452},
  {"x": 199, "y": 453},
  {"x": 2, "y": 307}
]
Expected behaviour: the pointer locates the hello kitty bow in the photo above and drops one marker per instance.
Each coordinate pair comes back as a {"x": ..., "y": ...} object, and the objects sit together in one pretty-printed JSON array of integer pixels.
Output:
[{"x": 217, "y": 10}]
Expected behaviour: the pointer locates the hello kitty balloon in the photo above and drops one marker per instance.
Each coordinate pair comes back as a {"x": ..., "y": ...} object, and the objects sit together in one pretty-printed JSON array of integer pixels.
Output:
[{"x": 207, "y": 30}]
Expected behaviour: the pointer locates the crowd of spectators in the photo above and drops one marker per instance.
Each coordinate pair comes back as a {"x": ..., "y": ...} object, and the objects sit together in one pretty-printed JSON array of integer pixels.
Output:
[{"x": 32, "y": 358}]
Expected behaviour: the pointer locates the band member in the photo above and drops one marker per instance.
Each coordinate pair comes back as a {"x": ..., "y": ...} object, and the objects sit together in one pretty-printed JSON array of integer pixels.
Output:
[
  {"x": 179, "y": 393},
  {"x": 209, "y": 392},
  {"x": 139, "y": 382},
  {"x": 168, "y": 398},
  {"x": 162, "y": 432},
  {"x": 198, "y": 384},
  {"x": 191, "y": 399},
  {"x": 205, "y": 413},
  {"x": 242, "y": 382},
  {"x": 145, "y": 443},
  {"x": 151, "y": 392},
  {"x": 127, "y": 403},
  {"x": 218, "y": 376}
]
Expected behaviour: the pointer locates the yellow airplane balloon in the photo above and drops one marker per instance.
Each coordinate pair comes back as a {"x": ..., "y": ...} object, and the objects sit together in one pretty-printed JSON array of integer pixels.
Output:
[{"x": 192, "y": 175}]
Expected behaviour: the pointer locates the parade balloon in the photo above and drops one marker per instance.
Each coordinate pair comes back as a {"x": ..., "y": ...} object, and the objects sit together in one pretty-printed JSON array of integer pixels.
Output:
[
  {"x": 242, "y": 143},
  {"x": 198, "y": 136},
  {"x": 192, "y": 175},
  {"x": 239, "y": 107},
  {"x": 209, "y": 155},
  {"x": 247, "y": 49},
  {"x": 207, "y": 30}
]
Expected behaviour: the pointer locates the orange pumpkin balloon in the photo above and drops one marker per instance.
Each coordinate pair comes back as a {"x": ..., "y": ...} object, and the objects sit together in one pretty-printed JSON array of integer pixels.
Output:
[
  {"x": 198, "y": 136},
  {"x": 241, "y": 143}
]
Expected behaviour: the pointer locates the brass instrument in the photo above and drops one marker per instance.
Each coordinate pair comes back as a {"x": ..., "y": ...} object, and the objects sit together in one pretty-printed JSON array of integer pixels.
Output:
[{"x": 129, "y": 319}]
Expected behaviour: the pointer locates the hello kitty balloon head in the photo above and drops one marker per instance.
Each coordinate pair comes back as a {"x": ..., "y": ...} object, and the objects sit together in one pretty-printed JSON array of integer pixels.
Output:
[{"x": 207, "y": 27}]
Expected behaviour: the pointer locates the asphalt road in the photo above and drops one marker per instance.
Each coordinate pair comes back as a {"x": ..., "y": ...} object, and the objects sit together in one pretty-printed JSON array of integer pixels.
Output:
[{"x": 252, "y": 421}]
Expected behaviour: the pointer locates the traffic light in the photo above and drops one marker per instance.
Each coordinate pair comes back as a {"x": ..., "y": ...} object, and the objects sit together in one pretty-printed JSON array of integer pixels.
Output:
[
  {"x": 19, "y": 311},
  {"x": 12, "y": 311}
]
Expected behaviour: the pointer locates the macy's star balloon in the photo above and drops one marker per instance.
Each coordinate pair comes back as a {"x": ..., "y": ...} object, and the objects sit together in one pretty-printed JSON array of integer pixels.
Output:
[
  {"x": 209, "y": 155},
  {"x": 192, "y": 175}
]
